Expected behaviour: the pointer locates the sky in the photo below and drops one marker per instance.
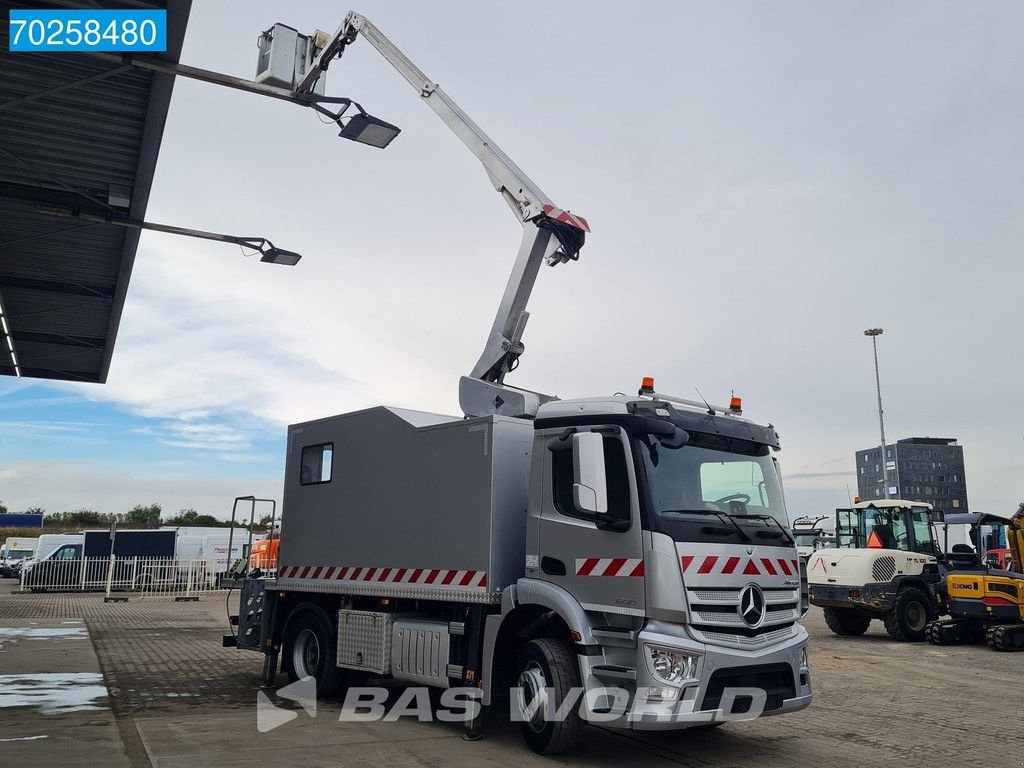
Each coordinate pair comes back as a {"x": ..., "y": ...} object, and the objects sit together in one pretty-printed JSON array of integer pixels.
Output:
[{"x": 763, "y": 181}]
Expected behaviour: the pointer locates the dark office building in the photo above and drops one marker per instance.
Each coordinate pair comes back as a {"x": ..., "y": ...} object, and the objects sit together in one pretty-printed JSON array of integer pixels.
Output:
[{"x": 928, "y": 469}]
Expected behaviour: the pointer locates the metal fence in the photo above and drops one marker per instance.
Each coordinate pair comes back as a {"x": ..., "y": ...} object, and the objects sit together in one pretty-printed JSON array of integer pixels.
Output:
[{"x": 143, "y": 576}]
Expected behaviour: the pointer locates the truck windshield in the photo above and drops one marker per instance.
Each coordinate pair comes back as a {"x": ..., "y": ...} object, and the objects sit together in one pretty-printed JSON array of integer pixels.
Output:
[
  {"x": 18, "y": 554},
  {"x": 715, "y": 489}
]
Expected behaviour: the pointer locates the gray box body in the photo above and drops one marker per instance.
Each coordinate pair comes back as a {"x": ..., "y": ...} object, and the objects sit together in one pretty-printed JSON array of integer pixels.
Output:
[{"x": 417, "y": 505}]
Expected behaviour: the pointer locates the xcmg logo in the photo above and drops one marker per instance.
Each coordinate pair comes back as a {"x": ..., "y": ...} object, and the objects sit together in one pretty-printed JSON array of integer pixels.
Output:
[{"x": 965, "y": 586}]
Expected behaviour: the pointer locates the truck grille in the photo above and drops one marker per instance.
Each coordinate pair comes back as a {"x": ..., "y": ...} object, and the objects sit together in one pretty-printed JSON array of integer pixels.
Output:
[
  {"x": 718, "y": 609},
  {"x": 735, "y": 640}
]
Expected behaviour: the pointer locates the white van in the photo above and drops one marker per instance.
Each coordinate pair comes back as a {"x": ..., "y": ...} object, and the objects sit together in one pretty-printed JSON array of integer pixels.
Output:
[{"x": 14, "y": 551}]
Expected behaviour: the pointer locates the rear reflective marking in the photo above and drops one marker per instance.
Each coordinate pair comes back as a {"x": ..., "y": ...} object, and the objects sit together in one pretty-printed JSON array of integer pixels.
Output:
[
  {"x": 785, "y": 567},
  {"x": 730, "y": 565},
  {"x": 687, "y": 559},
  {"x": 769, "y": 567},
  {"x": 751, "y": 569}
]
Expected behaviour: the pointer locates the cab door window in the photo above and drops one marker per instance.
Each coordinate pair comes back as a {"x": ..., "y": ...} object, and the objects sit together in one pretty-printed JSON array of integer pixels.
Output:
[{"x": 618, "y": 483}]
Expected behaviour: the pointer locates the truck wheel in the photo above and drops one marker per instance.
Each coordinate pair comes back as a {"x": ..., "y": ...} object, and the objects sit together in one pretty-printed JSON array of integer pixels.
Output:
[
  {"x": 310, "y": 650},
  {"x": 907, "y": 620},
  {"x": 548, "y": 668},
  {"x": 847, "y": 621}
]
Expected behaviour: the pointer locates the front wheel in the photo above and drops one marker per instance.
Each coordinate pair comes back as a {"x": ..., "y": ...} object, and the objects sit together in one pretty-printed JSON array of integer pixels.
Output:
[
  {"x": 548, "y": 673},
  {"x": 310, "y": 650},
  {"x": 907, "y": 620}
]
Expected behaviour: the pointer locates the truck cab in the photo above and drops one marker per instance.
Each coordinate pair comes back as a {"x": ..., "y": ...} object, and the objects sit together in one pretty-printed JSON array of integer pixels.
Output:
[{"x": 666, "y": 527}]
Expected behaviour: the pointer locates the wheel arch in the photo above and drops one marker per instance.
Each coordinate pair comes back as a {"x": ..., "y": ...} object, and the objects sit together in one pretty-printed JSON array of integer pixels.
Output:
[{"x": 532, "y": 610}]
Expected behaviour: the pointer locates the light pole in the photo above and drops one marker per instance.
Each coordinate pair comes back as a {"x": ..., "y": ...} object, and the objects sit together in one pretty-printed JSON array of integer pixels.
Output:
[{"x": 874, "y": 333}]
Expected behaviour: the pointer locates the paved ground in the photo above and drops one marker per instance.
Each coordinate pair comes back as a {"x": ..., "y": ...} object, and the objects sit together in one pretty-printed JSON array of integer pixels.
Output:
[{"x": 176, "y": 698}]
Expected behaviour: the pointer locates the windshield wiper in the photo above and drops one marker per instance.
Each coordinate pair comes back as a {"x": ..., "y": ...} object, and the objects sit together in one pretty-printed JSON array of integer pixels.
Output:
[
  {"x": 781, "y": 527},
  {"x": 715, "y": 513}
]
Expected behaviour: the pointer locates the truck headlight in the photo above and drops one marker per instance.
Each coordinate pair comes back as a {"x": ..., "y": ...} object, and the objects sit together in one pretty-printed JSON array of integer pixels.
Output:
[
  {"x": 803, "y": 658},
  {"x": 669, "y": 666}
]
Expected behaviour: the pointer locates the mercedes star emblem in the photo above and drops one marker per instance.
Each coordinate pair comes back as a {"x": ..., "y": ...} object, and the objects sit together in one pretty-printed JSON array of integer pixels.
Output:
[{"x": 752, "y": 605}]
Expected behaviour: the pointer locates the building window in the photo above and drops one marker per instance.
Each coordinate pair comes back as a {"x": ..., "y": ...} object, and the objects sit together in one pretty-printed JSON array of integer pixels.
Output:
[
  {"x": 956, "y": 503},
  {"x": 315, "y": 467},
  {"x": 862, "y": 470}
]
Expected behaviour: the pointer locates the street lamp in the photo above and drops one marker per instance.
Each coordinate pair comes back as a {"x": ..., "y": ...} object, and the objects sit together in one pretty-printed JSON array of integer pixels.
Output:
[
  {"x": 874, "y": 333},
  {"x": 269, "y": 252}
]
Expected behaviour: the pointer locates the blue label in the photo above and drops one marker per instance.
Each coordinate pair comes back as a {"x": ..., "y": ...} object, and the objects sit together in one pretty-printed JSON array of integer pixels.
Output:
[{"x": 78, "y": 31}]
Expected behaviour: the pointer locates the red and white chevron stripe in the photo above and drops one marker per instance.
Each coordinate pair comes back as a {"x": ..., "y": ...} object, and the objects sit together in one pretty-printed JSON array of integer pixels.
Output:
[
  {"x": 566, "y": 218},
  {"x": 609, "y": 566},
  {"x": 754, "y": 566},
  {"x": 439, "y": 577}
]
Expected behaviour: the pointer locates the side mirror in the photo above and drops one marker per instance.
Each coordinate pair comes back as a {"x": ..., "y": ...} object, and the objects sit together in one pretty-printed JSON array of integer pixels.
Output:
[{"x": 589, "y": 484}]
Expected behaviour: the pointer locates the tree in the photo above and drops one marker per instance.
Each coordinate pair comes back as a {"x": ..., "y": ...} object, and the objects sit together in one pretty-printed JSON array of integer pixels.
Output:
[
  {"x": 86, "y": 518},
  {"x": 184, "y": 517},
  {"x": 143, "y": 517},
  {"x": 3, "y": 509},
  {"x": 191, "y": 517}
]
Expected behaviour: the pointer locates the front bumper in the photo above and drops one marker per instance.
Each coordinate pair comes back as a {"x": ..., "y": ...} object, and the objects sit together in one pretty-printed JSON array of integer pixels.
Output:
[{"x": 728, "y": 684}]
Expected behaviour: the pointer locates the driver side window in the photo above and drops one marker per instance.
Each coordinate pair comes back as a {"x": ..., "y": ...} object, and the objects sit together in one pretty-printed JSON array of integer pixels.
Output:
[{"x": 615, "y": 472}]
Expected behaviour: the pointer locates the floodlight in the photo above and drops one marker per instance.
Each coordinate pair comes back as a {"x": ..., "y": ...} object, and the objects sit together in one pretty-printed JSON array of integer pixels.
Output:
[
  {"x": 367, "y": 129},
  {"x": 273, "y": 255}
]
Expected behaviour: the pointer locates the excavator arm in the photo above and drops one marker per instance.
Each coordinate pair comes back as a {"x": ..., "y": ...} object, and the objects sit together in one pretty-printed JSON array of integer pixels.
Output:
[
  {"x": 1015, "y": 540},
  {"x": 550, "y": 234}
]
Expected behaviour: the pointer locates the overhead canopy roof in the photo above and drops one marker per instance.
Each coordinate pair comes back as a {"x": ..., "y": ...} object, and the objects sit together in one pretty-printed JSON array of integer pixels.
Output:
[{"x": 78, "y": 132}]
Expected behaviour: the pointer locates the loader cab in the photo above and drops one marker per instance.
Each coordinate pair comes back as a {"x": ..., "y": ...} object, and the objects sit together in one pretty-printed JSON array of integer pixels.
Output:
[{"x": 890, "y": 524}]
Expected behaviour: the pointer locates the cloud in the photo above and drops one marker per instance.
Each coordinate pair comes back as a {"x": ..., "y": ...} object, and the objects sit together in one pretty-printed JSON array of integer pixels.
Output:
[
  {"x": 58, "y": 485},
  {"x": 807, "y": 475},
  {"x": 787, "y": 193}
]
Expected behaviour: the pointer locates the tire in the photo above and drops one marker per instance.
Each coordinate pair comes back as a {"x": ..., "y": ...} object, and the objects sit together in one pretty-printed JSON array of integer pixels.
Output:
[
  {"x": 908, "y": 619},
  {"x": 310, "y": 648},
  {"x": 847, "y": 621},
  {"x": 548, "y": 664}
]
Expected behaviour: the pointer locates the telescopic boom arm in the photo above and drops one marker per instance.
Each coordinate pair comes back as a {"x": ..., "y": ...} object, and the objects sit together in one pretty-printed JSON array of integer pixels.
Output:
[{"x": 549, "y": 234}]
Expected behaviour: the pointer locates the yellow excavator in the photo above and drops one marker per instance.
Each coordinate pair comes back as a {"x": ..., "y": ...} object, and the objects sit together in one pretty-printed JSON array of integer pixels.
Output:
[{"x": 986, "y": 603}]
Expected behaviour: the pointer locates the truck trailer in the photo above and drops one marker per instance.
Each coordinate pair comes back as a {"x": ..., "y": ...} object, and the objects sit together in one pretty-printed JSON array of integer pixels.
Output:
[{"x": 633, "y": 551}]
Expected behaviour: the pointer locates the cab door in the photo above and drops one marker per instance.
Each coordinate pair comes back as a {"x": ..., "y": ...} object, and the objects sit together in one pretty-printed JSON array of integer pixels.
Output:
[{"x": 598, "y": 557}]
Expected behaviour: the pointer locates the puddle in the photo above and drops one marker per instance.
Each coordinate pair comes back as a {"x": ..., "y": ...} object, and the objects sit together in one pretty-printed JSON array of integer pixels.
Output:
[
  {"x": 43, "y": 633},
  {"x": 14, "y": 635},
  {"x": 54, "y": 693}
]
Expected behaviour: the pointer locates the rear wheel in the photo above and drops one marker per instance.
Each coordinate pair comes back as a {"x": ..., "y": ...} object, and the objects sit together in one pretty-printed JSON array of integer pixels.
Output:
[
  {"x": 310, "y": 650},
  {"x": 907, "y": 620},
  {"x": 847, "y": 621},
  {"x": 548, "y": 669}
]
